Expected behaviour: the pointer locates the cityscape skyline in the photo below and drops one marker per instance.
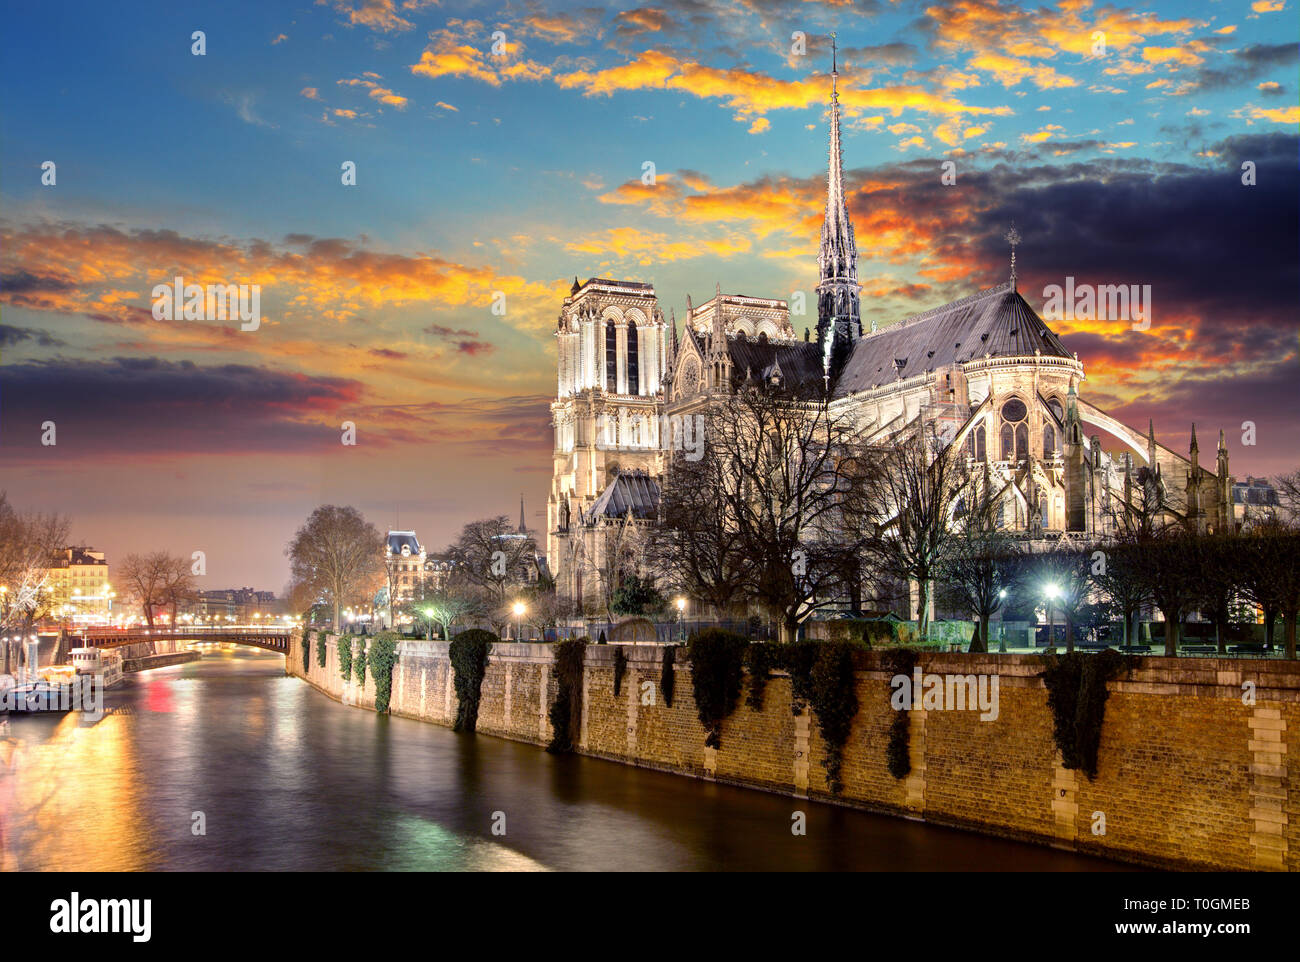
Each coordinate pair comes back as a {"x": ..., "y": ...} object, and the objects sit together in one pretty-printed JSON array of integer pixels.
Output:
[{"x": 378, "y": 310}]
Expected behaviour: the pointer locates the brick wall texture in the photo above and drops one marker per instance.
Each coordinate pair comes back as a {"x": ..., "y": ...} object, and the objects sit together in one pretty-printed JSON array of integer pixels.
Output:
[{"x": 1191, "y": 774}]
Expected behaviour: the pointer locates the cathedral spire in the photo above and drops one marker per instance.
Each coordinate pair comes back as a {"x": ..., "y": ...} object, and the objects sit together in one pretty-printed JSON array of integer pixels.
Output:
[
  {"x": 523, "y": 528},
  {"x": 1013, "y": 238},
  {"x": 839, "y": 321}
]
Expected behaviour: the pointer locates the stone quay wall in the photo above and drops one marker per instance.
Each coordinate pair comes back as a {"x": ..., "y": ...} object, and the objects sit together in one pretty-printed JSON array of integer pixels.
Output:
[{"x": 1189, "y": 775}]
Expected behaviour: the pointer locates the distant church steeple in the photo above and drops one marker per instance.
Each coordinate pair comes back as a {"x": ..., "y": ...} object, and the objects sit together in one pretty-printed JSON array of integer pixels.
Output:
[
  {"x": 523, "y": 528},
  {"x": 839, "y": 321}
]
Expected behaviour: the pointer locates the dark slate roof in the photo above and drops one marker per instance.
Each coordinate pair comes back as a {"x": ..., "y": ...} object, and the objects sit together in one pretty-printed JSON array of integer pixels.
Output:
[
  {"x": 631, "y": 489},
  {"x": 996, "y": 321},
  {"x": 398, "y": 538},
  {"x": 800, "y": 362}
]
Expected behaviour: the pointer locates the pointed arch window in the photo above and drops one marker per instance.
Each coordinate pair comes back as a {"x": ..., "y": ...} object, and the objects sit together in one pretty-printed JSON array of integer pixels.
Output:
[
  {"x": 1008, "y": 450},
  {"x": 611, "y": 357},
  {"x": 1049, "y": 442},
  {"x": 980, "y": 452},
  {"x": 633, "y": 359},
  {"x": 1022, "y": 441}
]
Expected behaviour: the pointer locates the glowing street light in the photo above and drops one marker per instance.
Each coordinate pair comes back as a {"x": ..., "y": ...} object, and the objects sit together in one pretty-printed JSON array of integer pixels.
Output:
[
  {"x": 1053, "y": 591},
  {"x": 519, "y": 610},
  {"x": 681, "y": 611}
]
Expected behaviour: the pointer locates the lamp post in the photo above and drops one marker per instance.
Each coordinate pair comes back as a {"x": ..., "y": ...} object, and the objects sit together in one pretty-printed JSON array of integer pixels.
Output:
[
  {"x": 1052, "y": 591},
  {"x": 519, "y": 613},
  {"x": 681, "y": 625}
]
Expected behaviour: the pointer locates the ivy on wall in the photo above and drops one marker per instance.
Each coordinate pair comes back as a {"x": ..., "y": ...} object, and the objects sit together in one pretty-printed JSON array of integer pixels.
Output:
[
  {"x": 898, "y": 661},
  {"x": 469, "y": 657},
  {"x": 306, "y": 649},
  {"x": 1076, "y": 696},
  {"x": 760, "y": 659},
  {"x": 383, "y": 656},
  {"x": 345, "y": 656},
  {"x": 717, "y": 660},
  {"x": 667, "y": 676},
  {"x": 834, "y": 700},
  {"x": 798, "y": 659},
  {"x": 359, "y": 662},
  {"x": 566, "y": 709},
  {"x": 320, "y": 649},
  {"x": 620, "y": 669}
]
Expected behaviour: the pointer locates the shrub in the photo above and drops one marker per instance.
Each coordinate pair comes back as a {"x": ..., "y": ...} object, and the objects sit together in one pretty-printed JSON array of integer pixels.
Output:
[
  {"x": 320, "y": 649},
  {"x": 898, "y": 661},
  {"x": 717, "y": 660},
  {"x": 620, "y": 669},
  {"x": 383, "y": 656},
  {"x": 566, "y": 709},
  {"x": 345, "y": 656},
  {"x": 469, "y": 657}
]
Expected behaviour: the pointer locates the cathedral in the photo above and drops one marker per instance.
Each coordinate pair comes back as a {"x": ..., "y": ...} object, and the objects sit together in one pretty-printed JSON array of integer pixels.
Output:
[{"x": 983, "y": 372}]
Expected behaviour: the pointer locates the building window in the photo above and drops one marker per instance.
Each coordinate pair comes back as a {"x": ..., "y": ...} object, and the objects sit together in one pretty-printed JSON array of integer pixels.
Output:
[
  {"x": 1022, "y": 441},
  {"x": 633, "y": 359},
  {"x": 1008, "y": 452},
  {"x": 1049, "y": 442},
  {"x": 611, "y": 357}
]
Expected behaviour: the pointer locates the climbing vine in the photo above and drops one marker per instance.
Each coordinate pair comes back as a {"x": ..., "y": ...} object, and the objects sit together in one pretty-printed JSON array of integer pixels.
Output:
[
  {"x": 469, "y": 657},
  {"x": 566, "y": 709},
  {"x": 345, "y": 656},
  {"x": 798, "y": 659},
  {"x": 667, "y": 677},
  {"x": 620, "y": 669},
  {"x": 760, "y": 659},
  {"x": 834, "y": 699},
  {"x": 320, "y": 649},
  {"x": 717, "y": 660},
  {"x": 1076, "y": 695},
  {"x": 306, "y": 649},
  {"x": 898, "y": 661},
  {"x": 383, "y": 656},
  {"x": 359, "y": 662}
]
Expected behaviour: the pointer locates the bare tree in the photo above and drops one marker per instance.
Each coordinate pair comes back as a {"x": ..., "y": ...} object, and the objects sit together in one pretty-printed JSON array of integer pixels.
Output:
[
  {"x": 28, "y": 542},
  {"x": 916, "y": 483},
  {"x": 156, "y": 580},
  {"x": 446, "y": 605},
  {"x": 695, "y": 546},
  {"x": 772, "y": 505},
  {"x": 493, "y": 562},
  {"x": 339, "y": 554},
  {"x": 1266, "y": 557},
  {"x": 981, "y": 562}
]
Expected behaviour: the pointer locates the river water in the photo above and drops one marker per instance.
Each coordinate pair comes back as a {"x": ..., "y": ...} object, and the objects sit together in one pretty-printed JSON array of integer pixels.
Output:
[{"x": 286, "y": 779}]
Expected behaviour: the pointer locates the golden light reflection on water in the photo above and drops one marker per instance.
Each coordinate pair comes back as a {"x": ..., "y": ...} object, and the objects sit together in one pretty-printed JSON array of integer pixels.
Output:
[{"x": 89, "y": 822}]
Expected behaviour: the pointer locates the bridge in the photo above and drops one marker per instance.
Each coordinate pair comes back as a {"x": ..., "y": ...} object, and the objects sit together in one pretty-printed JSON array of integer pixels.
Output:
[{"x": 270, "y": 637}]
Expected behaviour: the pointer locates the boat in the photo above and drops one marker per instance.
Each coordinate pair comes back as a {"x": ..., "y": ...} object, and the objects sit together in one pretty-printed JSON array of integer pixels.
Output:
[
  {"x": 65, "y": 687},
  {"x": 99, "y": 661}
]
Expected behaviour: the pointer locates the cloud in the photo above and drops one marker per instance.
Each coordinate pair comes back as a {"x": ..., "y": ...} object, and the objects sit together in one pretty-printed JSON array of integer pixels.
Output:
[
  {"x": 378, "y": 15},
  {"x": 105, "y": 272}
]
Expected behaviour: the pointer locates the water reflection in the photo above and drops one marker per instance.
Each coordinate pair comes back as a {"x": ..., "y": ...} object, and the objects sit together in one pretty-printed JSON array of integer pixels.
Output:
[{"x": 285, "y": 778}]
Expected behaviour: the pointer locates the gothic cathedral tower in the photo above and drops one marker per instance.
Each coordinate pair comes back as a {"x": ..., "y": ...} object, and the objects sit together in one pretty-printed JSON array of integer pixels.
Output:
[
  {"x": 839, "y": 320},
  {"x": 611, "y": 341}
]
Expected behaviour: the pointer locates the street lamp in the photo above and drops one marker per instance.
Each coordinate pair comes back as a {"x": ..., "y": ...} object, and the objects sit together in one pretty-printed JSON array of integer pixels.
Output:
[
  {"x": 681, "y": 625},
  {"x": 428, "y": 632},
  {"x": 1053, "y": 592},
  {"x": 519, "y": 613}
]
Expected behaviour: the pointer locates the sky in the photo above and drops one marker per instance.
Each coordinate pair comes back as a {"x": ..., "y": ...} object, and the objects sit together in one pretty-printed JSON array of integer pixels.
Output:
[{"x": 1112, "y": 135}]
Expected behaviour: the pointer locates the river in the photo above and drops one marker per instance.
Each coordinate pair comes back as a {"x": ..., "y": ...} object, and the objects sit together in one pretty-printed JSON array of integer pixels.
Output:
[{"x": 287, "y": 779}]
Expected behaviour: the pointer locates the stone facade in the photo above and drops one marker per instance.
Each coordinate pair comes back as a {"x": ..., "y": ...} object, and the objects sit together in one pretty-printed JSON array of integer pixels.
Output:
[{"x": 1188, "y": 776}]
